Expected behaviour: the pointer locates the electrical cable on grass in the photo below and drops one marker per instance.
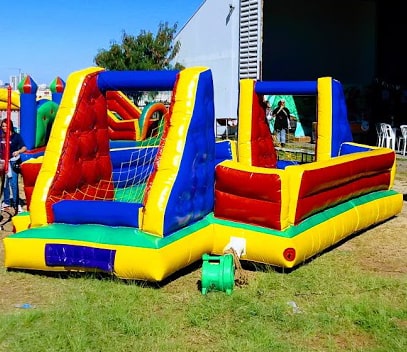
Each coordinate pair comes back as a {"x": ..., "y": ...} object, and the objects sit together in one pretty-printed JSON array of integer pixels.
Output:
[{"x": 241, "y": 277}]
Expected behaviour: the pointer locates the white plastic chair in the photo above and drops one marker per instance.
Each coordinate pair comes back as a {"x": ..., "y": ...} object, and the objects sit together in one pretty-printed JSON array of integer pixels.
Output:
[
  {"x": 379, "y": 132},
  {"x": 389, "y": 137},
  {"x": 402, "y": 140}
]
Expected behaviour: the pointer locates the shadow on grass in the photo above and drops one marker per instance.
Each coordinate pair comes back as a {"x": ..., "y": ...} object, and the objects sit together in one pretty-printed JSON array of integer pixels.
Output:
[{"x": 99, "y": 275}]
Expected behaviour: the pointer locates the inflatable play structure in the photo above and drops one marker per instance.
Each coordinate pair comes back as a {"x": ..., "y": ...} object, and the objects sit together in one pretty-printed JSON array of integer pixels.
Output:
[
  {"x": 145, "y": 212},
  {"x": 35, "y": 116}
]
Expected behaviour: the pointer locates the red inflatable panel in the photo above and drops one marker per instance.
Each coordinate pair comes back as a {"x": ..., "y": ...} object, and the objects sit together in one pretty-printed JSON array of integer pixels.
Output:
[
  {"x": 248, "y": 184},
  {"x": 85, "y": 170},
  {"x": 263, "y": 151},
  {"x": 248, "y": 197},
  {"x": 323, "y": 178},
  {"x": 29, "y": 172},
  {"x": 247, "y": 210}
]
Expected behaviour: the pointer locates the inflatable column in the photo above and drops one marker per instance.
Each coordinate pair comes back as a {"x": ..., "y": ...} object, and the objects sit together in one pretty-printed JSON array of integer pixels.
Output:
[
  {"x": 57, "y": 87},
  {"x": 28, "y": 110}
]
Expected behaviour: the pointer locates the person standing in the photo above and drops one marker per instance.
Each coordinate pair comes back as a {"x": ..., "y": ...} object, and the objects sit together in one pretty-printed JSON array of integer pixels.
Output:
[
  {"x": 281, "y": 114},
  {"x": 17, "y": 147}
]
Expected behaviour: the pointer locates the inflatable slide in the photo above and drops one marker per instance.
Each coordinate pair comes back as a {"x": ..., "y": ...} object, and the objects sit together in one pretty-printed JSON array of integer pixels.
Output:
[{"x": 128, "y": 122}]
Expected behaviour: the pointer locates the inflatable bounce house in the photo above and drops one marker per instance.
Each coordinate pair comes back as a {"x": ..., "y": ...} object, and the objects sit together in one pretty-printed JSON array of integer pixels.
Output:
[{"x": 145, "y": 212}]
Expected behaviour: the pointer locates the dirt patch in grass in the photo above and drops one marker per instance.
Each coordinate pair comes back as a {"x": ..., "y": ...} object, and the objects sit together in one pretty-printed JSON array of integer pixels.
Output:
[{"x": 383, "y": 248}]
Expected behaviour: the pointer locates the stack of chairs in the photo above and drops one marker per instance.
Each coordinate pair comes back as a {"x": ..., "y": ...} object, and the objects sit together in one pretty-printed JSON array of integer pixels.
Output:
[
  {"x": 402, "y": 140},
  {"x": 386, "y": 136}
]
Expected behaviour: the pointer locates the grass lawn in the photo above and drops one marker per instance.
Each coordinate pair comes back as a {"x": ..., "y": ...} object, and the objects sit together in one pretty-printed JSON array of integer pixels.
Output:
[{"x": 351, "y": 298}]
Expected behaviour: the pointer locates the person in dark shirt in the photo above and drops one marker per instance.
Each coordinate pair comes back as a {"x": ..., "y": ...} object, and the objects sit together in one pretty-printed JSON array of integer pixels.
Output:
[
  {"x": 17, "y": 147},
  {"x": 281, "y": 116}
]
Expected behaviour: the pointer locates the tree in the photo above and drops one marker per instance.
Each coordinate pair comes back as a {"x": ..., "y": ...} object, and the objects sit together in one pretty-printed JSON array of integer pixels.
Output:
[{"x": 144, "y": 52}]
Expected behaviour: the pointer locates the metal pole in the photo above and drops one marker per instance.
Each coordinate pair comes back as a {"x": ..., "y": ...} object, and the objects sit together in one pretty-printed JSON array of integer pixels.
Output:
[{"x": 7, "y": 139}]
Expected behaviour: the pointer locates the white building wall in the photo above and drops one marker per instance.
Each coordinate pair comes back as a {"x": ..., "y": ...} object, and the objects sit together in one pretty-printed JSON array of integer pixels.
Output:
[{"x": 211, "y": 38}]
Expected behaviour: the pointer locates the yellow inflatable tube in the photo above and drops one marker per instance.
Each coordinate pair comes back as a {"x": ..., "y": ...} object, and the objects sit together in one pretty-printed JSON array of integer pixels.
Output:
[{"x": 15, "y": 99}]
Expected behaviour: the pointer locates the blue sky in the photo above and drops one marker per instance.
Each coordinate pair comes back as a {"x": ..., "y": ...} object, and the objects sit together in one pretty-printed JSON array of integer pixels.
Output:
[{"x": 54, "y": 38}]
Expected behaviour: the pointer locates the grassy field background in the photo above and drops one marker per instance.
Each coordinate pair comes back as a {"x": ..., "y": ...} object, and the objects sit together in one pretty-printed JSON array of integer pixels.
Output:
[{"x": 350, "y": 298}]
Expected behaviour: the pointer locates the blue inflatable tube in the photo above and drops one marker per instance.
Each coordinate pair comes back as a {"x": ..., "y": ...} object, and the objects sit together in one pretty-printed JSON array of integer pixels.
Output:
[{"x": 137, "y": 80}]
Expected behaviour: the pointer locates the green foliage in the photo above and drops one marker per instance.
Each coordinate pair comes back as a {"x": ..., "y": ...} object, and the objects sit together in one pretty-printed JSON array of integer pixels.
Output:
[{"x": 144, "y": 52}]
